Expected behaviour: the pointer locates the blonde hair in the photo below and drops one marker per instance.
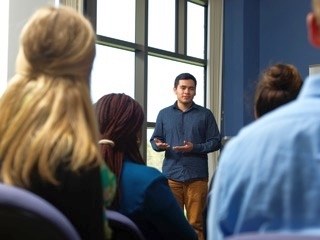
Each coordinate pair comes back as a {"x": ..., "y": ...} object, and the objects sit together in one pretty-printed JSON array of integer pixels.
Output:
[{"x": 47, "y": 118}]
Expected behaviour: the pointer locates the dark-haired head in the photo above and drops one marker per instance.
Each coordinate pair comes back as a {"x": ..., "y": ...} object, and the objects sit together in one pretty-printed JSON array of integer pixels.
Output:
[
  {"x": 120, "y": 120},
  {"x": 278, "y": 84},
  {"x": 184, "y": 76}
]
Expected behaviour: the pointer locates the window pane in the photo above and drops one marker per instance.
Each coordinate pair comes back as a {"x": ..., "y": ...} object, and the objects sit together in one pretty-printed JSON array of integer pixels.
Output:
[
  {"x": 160, "y": 84},
  {"x": 116, "y": 19},
  {"x": 161, "y": 24},
  {"x": 113, "y": 72},
  {"x": 196, "y": 30},
  {"x": 154, "y": 159}
]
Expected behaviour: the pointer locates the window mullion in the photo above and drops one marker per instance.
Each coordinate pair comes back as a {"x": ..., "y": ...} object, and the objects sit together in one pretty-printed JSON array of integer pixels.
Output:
[
  {"x": 141, "y": 59},
  {"x": 181, "y": 27}
]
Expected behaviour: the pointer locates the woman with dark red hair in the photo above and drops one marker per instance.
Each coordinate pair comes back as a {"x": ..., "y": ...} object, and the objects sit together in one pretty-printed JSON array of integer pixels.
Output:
[{"x": 143, "y": 193}]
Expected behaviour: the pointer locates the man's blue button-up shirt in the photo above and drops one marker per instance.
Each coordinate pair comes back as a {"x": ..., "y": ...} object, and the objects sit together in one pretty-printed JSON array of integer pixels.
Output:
[{"x": 196, "y": 125}]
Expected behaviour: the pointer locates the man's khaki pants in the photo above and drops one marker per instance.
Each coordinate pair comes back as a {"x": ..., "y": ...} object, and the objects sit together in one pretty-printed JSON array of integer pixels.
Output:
[{"x": 192, "y": 196}]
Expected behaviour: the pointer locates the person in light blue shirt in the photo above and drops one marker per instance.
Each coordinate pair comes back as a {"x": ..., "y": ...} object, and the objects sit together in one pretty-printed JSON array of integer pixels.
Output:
[
  {"x": 187, "y": 132},
  {"x": 268, "y": 178},
  {"x": 277, "y": 84}
]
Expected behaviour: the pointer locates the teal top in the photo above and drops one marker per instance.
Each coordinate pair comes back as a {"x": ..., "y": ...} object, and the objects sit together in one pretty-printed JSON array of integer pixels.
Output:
[{"x": 147, "y": 200}]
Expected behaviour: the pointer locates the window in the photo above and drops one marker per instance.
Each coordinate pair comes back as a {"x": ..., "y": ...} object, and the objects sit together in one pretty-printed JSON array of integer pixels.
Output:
[
  {"x": 161, "y": 21},
  {"x": 196, "y": 30},
  {"x": 114, "y": 74},
  {"x": 142, "y": 46},
  {"x": 116, "y": 19}
]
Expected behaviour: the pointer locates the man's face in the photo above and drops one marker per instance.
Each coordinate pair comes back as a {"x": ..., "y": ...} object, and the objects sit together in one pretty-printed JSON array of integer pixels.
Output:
[{"x": 185, "y": 91}]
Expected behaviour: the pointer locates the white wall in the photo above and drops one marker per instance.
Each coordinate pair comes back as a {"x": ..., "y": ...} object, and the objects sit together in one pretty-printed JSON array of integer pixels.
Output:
[
  {"x": 19, "y": 12},
  {"x": 4, "y": 22},
  {"x": 314, "y": 69},
  {"x": 214, "y": 87}
]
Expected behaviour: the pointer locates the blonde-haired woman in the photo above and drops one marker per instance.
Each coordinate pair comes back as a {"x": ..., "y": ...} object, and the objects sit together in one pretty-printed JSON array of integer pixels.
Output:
[{"x": 48, "y": 132}]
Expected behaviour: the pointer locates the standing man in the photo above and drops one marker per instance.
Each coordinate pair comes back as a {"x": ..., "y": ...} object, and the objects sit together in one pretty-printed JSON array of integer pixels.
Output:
[{"x": 187, "y": 132}]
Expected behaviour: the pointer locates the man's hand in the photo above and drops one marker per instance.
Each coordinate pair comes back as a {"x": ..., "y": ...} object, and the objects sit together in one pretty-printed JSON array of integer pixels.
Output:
[
  {"x": 161, "y": 145},
  {"x": 186, "y": 147}
]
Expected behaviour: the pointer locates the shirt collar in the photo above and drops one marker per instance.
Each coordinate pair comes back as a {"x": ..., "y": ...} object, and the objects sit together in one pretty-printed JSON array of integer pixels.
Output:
[
  {"x": 193, "y": 105},
  {"x": 310, "y": 87}
]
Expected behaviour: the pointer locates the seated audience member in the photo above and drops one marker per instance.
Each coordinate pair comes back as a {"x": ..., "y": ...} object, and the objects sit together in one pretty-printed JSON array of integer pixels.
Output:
[
  {"x": 48, "y": 130},
  {"x": 143, "y": 192},
  {"x": 277, "y": 85},
  {"x": 250, "y": 186},
  {"x": 269, "y": 177}
]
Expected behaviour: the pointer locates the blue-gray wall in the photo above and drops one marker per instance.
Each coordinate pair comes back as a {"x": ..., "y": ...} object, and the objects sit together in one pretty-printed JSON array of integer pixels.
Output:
[{"x": 258, "y": 33}]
